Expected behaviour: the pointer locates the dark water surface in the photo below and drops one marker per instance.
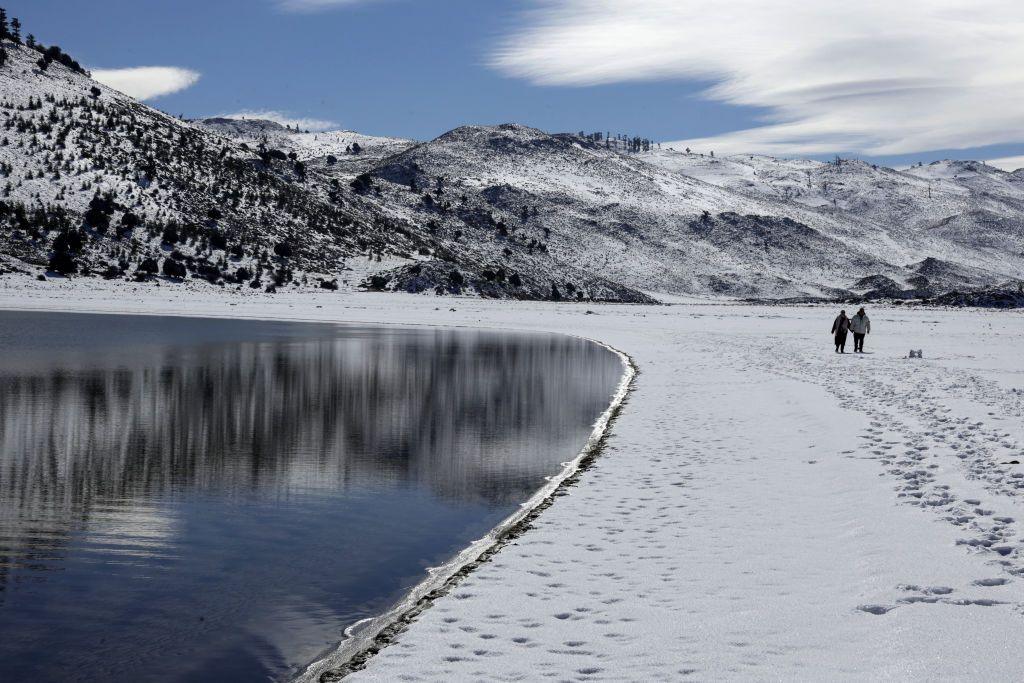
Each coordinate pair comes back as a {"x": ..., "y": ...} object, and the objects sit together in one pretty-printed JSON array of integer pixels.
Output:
[{"x": 210, "y": 500}]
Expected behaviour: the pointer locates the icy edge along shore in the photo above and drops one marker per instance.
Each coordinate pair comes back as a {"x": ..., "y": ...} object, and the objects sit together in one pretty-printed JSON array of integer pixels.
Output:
[{"x": 366, "y": 638}]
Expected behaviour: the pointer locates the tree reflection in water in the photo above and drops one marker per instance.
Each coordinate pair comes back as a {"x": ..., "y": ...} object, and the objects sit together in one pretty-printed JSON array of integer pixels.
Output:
[{"x": 175, "y": 447}]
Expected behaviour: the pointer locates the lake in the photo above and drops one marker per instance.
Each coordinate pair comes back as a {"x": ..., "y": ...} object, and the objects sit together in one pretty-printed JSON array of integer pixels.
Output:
[{"x": 210, "y": 500}]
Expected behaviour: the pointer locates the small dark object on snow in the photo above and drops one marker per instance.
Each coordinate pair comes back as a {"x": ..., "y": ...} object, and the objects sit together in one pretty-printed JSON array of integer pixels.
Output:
[
  {"x": 916, "y": 354},
  {"x": 41, "y": 277},
  {"x": 271, "y": 288},
  {"x": 329, "y": 284}
]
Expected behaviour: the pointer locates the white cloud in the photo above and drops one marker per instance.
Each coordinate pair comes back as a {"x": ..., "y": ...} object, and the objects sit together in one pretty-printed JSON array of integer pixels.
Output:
[
  {"x": 874, "y": 76},
  {"x": 1007, "y": 163},
  {"x": 285, "y": 119},
  {"x": 147, "y": 82}
]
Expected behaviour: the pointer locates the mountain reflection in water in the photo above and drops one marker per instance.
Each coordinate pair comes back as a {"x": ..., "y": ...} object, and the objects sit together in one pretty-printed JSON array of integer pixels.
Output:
[{"x": 208, "y": 500}]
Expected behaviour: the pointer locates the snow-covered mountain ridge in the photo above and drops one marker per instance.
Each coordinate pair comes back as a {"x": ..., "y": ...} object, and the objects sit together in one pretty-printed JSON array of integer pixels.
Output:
[
  {"x": 99, "y": 184},
  {"x": 687, "y": 224},
  {"x": 96, "y": 183}
]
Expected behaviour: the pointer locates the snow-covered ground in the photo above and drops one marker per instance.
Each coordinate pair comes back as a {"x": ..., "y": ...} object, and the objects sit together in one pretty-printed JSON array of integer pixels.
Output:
[{"x": 763, "y": 509}]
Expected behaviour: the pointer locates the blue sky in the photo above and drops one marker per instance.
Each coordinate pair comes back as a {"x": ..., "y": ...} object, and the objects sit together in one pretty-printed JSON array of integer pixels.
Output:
[
  {"x": 418, "y": 68},
  {"x": 406, "y": 68}
]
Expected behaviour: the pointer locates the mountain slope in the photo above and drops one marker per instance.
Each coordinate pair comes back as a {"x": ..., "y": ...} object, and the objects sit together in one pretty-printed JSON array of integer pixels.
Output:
[
  {"x": 638, "y": 223},
  {"x": 99, "y": 183},
  {"x": 348, "y": 151},
  {"x": 135, "y": 183},
  {"x": 964, "y": 212}
]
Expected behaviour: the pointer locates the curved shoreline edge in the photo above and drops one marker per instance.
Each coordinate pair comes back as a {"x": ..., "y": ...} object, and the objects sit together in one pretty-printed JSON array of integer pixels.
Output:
[{"x": 370, "y": 636}]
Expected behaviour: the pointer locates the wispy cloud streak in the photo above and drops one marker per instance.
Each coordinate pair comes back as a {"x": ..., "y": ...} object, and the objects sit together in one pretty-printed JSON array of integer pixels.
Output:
[
  {"x": 875, "y": 77},
  {"x": 316, "y": 5}
]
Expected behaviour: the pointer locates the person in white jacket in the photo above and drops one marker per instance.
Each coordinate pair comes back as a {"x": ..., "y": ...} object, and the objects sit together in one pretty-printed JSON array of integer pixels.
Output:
[{"x": 860, "y": 325}]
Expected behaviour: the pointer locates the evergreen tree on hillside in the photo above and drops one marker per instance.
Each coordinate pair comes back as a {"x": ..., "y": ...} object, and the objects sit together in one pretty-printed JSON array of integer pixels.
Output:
[
  {"x": 5, "y": 29},
  {"x": 15, "y": 30}
]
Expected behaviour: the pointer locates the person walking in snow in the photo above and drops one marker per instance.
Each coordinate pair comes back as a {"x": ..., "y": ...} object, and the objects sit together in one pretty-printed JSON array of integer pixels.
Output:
[
  {"x": 839, "y": 328},
  {"x": 860, "y": 325}
]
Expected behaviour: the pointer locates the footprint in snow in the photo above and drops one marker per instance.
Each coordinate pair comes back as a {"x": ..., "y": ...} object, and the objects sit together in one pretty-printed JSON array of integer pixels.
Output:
[
  {"x": 876, "y": 609},
  {"x": 991, "y": 582}
]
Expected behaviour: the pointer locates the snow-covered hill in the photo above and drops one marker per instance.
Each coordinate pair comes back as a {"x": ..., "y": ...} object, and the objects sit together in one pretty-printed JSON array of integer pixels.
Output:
[
  {"x": 345, "y": 150},
  {"x": 612, "y": 213},
  {"x": 963, "y": 212},
  {"x": 99, "y": 184},
  {"x": 681, "y": 223},
  {"x": 95, "y": 182}
]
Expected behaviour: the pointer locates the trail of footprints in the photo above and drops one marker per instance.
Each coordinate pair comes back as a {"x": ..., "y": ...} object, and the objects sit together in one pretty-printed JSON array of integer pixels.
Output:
[
  {"x": 919, "y": 442},
  {"x": 578, "y": 620}
]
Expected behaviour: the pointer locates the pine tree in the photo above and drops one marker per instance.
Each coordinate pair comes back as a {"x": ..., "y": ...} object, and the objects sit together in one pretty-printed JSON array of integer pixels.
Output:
[
  {"x": 15, "y": 30},
  {"x": 5, "y": 30}
]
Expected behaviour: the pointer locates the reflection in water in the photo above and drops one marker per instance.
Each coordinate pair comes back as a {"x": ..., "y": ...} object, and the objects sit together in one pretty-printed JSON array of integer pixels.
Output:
[{"x": 197, "y": 499}]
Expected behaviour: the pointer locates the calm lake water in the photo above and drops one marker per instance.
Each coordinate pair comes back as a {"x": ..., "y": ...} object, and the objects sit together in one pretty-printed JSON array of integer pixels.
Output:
[{"x": 208, "y": 500}]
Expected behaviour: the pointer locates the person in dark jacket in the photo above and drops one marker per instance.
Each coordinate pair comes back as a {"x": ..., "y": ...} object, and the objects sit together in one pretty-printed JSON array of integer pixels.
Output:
[
  {"x": 860, "y": 325},
  {"x": 839, "y": 328}
]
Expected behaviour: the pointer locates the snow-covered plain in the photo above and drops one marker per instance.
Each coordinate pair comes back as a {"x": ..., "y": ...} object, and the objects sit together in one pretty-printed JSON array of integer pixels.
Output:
[{"x": 763, "y": 508}]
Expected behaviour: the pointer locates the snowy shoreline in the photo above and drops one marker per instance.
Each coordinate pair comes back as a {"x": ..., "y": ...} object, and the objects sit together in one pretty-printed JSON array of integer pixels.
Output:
[
  {"x": 365, "y": 639},
  {"x": 762, "y": 508}
]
